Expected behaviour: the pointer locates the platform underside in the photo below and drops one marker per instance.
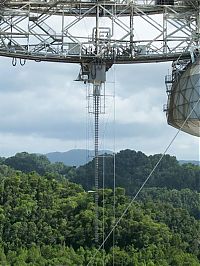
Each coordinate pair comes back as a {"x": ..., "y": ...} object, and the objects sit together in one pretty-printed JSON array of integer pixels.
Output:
[{"x": 115, "y": 32}]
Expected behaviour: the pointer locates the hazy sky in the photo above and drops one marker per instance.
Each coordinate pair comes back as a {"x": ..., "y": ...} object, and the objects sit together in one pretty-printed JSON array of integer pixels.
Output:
[{"x": 42, "y": 110}]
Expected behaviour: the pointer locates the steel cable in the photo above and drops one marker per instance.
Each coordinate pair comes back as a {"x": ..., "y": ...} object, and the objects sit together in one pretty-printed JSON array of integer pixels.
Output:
[{"x": 144, "y": 183}]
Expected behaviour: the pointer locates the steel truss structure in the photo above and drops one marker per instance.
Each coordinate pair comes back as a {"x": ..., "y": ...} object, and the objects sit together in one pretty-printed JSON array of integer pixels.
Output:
[{"x": 112, "y": 31}]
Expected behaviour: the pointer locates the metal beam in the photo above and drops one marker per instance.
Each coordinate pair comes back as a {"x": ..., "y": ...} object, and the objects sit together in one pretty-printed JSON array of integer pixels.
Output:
[{"x": 74, "y": 31}]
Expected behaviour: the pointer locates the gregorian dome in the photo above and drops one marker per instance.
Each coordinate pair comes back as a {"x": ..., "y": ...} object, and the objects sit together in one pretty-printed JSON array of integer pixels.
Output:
[{"x": 183, "y": 109}]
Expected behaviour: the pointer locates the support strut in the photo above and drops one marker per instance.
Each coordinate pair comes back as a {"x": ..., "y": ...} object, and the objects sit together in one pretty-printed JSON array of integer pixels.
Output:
[
  {"x": 95, "y": 73},
  {"x": 96, "y": 98}
]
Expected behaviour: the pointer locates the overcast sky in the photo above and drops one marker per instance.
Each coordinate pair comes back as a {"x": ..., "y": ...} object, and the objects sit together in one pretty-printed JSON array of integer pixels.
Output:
[{"x": 43, "y": 110}]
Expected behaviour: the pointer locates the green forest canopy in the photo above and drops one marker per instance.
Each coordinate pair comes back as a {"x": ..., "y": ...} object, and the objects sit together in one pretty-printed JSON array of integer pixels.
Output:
[
  {"x": 45, "y": 219},
  {"x": 132, "y": 168}
]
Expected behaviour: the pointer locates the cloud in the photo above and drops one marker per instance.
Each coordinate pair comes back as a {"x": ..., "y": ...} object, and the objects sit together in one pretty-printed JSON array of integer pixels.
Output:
[
  {"x": 12, "y": 143},
  {"x": 156, "y": 140},
  {"x": 139, "y": 108},
  {"x": 42, "y": 109},
  {"x": 45, "y": 103},
  {"x": 141, "y": 77}
]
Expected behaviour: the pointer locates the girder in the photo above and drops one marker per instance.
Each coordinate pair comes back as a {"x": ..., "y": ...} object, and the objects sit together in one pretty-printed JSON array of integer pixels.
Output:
[{"x": 110, "y": 31}]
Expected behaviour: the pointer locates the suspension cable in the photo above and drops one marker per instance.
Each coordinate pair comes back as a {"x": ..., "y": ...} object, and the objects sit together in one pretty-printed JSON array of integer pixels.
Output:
[
  {"x": 144, "y": 183},
  {"x": 22, "y": 62},
  {"x": 87, "y": 134},
  {"x": 114, "y": 169},
  {"x": 14, "y": 61},
  {"x": 103, "y": 199}
]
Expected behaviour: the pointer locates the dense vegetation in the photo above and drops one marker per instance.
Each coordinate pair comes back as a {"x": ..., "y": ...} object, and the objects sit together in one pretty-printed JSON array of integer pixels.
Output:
[
  {"x": 45, "y": 219},
  {"x": 27, "y": 163},
  {"x": 132, "y": 168}
]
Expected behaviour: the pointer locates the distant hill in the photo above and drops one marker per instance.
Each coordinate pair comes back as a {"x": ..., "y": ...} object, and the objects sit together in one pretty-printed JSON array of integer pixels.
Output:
[
  {"x": 189, "y": 161},
  {"x": 75, "y": 157},
  {"x": 132, "y": 168}
]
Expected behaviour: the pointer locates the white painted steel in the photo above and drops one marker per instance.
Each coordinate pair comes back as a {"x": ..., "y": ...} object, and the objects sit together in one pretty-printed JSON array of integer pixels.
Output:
[{"x": 127, "y": 31}]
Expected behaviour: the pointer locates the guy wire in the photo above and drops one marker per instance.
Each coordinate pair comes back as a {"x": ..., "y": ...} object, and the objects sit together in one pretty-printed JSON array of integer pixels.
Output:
[
  {"x": 144, "y": 183},
  {"x": 114, "y": 169}
]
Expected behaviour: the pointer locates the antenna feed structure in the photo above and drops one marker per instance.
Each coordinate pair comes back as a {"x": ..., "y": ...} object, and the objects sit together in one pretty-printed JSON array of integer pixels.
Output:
[{"x": 94, "y": 73}]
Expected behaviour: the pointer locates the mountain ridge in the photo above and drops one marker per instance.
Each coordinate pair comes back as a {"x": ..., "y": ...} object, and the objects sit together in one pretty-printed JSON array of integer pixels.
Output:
[
  {"x": 74, "y": 157},
  {"x": 189, "y": 161},
  {"x": 78, "y": 157}
]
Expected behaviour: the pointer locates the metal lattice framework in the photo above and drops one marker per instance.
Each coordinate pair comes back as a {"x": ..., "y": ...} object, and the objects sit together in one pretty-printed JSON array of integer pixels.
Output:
[{"x": 81, "y": 31}]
